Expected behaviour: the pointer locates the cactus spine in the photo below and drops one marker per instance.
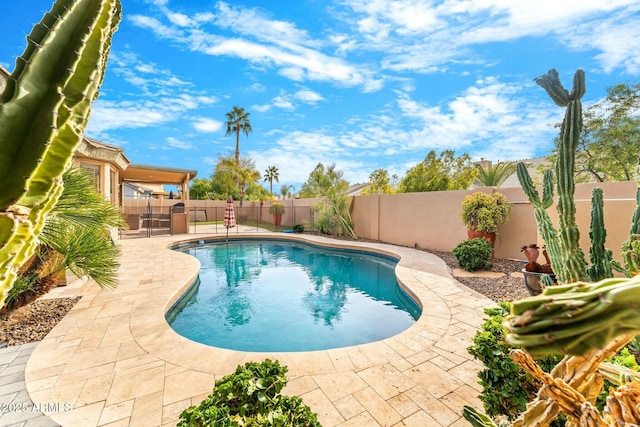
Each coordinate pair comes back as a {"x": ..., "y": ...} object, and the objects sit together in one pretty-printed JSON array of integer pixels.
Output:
[{"x": 43, "y": 113}]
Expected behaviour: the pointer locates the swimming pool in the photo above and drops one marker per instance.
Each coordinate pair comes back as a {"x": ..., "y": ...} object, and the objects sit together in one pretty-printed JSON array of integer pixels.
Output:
[{"x": 264, "y": 295}]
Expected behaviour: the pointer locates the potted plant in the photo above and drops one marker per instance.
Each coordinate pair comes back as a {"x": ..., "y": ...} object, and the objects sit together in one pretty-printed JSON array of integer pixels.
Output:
[
  {"x": 482, "y": 213},
  {"x": 277, "y": 210},
  {"x": 533, "y": 271}
]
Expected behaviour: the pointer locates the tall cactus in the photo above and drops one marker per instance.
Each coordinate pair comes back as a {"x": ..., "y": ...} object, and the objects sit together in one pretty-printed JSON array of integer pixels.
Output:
[
  {"x": 600, "y": 257},
  {"x": 567, "y": 258},
  {"x": 630, "y": 250},
  {"x": 43, "y": 114}
]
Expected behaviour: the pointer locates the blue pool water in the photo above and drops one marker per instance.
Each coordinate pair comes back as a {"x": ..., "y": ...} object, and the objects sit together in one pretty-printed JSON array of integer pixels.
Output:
[{"x": 260, "y": 295}]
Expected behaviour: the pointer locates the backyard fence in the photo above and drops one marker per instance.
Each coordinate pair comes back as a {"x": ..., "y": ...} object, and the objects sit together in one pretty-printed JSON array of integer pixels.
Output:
[
  {"x": 429, "y": 220},
  {"x": 151, "y": 217}
]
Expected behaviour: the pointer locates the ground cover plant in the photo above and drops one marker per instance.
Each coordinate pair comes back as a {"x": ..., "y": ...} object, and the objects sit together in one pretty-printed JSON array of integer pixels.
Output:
[
  {"x": 250, "y": 397},
  {"x": 507, "y": 388}
]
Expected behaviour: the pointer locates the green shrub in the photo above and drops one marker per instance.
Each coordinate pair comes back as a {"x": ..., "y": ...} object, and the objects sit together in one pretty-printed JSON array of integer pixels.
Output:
[
  {"x": 506, "y": 387},
  {"x": 473, "y": 254},
  {"x": 298, "y": 228},
  {"x": 324, "y": 220},
  {"x": 485, "y": 212},
  {"x": 250, "y": 396}
]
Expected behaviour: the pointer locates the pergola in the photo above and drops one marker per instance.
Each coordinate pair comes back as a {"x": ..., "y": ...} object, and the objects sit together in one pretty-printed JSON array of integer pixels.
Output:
[{"x": 153, "y": 175}]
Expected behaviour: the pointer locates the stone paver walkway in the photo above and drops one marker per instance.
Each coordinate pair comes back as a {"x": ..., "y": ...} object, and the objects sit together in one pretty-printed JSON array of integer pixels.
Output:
[
  {"x": 114, "y": 361},
  {"x": 16, "y": 409}
]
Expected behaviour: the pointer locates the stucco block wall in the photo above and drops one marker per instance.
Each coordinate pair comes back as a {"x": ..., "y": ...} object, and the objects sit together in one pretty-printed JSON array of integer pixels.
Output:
[{"x": 432, "y": 220}]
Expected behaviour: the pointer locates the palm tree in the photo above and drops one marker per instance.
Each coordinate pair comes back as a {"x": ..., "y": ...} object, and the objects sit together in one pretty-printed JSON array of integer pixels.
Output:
[
  {"x": 78, "y": 230},
  {"x": 76, "y": 235},
  {"x": 495, "y": 175},
  {"x": 244, "y": 172},
  {"x": 238, "y": 121},
  {"x": 286, "y": 191},
  {"x": 270, "y": 174}
]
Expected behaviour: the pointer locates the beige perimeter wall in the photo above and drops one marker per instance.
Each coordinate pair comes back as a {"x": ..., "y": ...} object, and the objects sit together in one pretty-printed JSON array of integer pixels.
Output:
[{"x": 432, "y": 220}]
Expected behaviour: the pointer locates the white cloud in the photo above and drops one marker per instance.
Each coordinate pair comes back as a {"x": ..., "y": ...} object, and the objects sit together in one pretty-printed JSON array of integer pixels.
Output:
[
  {"x": 283, "y": 102},
  {"x": 161, "y": 97},
  {"x": 265, "y": 42},
  {"x": 156, "y": 26},
  {"x": 203, "y": 124},
  {"x": 108, "y": 115},
  {"x": 257, "y": 87},
  {"x": 490, "y": 118},
  {"x": 419, "y": 35},
  {"x": 176, "y": 143},
  {"x": 618, "y": 40},
  {"x": 180, "y": 19},
  {"x": 308, "y": 96}
]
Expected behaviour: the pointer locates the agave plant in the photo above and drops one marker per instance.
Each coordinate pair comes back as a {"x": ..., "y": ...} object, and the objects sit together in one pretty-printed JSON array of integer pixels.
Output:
[{"x": 44, "y": 110}]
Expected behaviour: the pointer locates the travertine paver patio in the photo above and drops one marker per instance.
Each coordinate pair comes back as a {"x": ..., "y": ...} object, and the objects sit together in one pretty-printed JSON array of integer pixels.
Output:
[{"x": 116, "y": 361}]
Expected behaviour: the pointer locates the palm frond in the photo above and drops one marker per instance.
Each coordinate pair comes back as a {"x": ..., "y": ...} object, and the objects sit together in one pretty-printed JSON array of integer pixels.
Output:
[
  {"x": 89, "y": 251},
  {"x": 81, "y": 204},
  {"x": 495, "y": 175}
]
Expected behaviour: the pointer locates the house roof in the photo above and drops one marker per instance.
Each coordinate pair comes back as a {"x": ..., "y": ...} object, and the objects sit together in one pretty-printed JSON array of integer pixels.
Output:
[
  {"x": 356, "y": 189},
  {"x": 158, "y": 174},
  {"x": 98, "y": 150}
]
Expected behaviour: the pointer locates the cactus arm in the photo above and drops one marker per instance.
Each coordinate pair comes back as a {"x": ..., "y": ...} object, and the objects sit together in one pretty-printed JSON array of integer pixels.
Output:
[
  {"x": 635, "y": 220},
  {"x": 545, "y": 225},
  {"x": 52, "y": 83},
  {"x": 527, "y": 184},
  {"x": 600, "y": 257},
  {"x": 43, "y": 113},
  {"x": 550, "y": 82},
  {"x": 573, "y": 265},
  {"x": 630, "y": 250},
  {"x": 547, "y": 189}
]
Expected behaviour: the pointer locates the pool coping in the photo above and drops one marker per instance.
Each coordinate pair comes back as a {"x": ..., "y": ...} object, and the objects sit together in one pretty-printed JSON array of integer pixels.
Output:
[{"x": 116, "y": 360}]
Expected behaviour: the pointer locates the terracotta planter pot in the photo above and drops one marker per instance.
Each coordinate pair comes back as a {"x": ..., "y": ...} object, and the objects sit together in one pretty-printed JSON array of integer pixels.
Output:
[
  {"x": 532, "y": 281},
  {"x": 277, "y": 219},
  {"x": 473, "y": 234}
]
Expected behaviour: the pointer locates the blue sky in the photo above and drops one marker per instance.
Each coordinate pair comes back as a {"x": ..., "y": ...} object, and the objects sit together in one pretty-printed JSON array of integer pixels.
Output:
[{"x": 363, "y": 84}]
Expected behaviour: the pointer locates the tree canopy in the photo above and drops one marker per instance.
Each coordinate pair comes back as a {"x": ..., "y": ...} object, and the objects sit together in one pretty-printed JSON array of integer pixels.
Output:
[
  {"x": 379, "y": 183},
  {"x": 223, "y": 181},
  {"x": 200, "y": 189},
  {"x": 440, "y": 173},
  {"x": 321, "y": 180},
  {"x": 609, "y": 144},
  {"x": 333, "y": 214}
]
